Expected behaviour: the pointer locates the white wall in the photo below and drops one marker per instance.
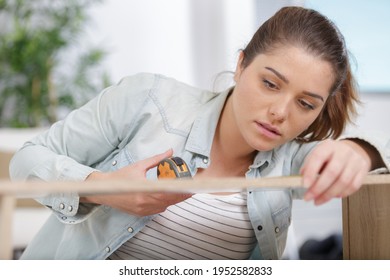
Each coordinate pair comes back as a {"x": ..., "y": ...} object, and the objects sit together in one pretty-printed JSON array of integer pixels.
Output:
[
  {"x": 374, "y": 114},
  {"x": 190, "y": 40},
  {"x": 143, "y": 36}
]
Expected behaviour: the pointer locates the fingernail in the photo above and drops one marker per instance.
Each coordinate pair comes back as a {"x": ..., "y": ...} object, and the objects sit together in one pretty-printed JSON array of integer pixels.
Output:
[
  {"x": 319, "y": 202},
  {"x": 308, "y": 196}
]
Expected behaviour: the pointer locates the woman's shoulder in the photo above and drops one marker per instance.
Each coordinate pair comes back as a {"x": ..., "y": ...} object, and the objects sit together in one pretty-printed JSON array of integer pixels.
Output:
[{"x": 162, "y": 87}]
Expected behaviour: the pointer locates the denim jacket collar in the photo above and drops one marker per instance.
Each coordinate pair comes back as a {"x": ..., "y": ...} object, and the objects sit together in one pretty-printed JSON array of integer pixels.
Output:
[{"x": 202, "y": 132}]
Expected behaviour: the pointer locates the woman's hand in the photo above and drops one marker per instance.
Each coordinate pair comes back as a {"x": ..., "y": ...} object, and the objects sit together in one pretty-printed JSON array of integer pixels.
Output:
[
  {"x": 136, "y": 203},
  {"x": 336, "y": 169}
]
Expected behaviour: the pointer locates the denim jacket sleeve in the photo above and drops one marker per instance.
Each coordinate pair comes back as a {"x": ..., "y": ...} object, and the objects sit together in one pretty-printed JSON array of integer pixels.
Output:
[
  {"x": 70, "y": 148},
  {"x": 379, "y": 140}
]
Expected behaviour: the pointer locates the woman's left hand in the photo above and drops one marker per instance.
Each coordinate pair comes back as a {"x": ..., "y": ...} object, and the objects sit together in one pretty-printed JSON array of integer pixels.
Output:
[{"x": 334, "y": 169}]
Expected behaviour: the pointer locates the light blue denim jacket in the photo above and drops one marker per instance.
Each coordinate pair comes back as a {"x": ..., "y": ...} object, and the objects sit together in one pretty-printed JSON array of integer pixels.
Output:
[{"x": 143, "y": 115}]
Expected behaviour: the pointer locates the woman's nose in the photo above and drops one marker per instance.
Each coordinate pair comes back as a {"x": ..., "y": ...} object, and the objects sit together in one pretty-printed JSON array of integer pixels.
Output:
[{"x": 279, "y": 111}]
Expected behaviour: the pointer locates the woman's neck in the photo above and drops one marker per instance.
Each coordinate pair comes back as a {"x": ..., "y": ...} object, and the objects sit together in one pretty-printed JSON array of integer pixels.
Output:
[
  {"x": 228, "y": 137},
  {"x": 230, "y": 154}
]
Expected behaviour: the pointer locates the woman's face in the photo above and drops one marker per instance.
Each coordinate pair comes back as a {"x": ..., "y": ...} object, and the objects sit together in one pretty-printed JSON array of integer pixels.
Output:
[{"x": 279, "y": 95}]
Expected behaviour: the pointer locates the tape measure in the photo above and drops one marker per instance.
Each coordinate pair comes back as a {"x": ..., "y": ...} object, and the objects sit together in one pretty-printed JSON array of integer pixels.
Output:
[{"x": 173, "y": 167}]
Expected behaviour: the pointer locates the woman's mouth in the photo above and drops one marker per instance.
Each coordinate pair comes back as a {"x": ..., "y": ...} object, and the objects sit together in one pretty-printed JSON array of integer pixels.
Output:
[{"x": 268, "y": 130}]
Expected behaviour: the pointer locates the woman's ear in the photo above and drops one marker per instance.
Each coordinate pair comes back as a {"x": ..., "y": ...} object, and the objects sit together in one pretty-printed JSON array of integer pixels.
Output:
[{"x": 239, "y": 67}]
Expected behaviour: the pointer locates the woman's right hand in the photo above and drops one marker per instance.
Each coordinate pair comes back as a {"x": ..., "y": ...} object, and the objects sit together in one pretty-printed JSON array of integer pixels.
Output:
[{"x": 136, "y": 203}]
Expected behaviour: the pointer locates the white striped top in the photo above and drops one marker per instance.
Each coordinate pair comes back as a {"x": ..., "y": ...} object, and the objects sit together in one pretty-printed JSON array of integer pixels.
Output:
[{"x": 205, "y": 226}]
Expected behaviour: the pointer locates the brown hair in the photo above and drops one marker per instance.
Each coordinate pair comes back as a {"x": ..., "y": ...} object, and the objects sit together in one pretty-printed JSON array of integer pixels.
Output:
[{"x": 319, "y": 36}]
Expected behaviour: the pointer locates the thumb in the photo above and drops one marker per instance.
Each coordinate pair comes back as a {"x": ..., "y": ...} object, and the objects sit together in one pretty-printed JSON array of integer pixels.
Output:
[{"x": 154, "y": 160}]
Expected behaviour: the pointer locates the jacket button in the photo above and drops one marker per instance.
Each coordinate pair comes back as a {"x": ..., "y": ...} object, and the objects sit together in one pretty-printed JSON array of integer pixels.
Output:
[
  {"x": 62, "y": 206},
  {"x": 205, "y": 160},
  {"x": 108, "y": 249},
  {"x": 260, "y": 227},
  {"x": 114, "y": 163},
  {"x": 70, "y": 208},
  {"x": 277, "y": 229},
  {"x": 130, "y": 229}
]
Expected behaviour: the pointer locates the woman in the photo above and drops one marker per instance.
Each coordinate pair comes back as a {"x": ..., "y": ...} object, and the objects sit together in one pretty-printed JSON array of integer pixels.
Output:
[{"x": 293, "y": 92}]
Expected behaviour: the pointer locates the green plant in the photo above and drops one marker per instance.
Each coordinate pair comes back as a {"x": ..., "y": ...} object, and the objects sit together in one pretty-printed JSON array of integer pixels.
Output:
[{"x": 37, "y": 76}]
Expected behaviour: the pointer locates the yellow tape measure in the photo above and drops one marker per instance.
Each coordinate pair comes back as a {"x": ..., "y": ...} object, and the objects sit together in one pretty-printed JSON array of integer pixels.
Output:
[{"x": 173, "y": 167}]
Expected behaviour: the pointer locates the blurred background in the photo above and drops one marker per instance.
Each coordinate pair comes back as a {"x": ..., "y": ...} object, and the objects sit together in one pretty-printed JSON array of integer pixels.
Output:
[{"x": 56, "y": 55}]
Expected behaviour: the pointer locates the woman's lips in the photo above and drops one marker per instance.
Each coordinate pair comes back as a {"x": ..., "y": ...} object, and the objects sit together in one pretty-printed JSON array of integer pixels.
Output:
[{"x": 268, "y": 130}]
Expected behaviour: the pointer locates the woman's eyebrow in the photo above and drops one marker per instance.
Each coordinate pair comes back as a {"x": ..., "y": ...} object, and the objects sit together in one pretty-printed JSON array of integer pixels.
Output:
[
  {"x": 284, "y": 79},
  {"x": 280, "y": 76},
  {"x": 314, "y": 95}
]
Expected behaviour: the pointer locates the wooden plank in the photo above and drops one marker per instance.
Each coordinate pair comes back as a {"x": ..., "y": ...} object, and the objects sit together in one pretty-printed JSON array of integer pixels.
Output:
[
  {"x": 366, "y": 224},
  {"x": 346, "y": 232},
  {"x": 6, "y": 210},
  {"x": 114, "y": 186},
  {"x": 34, "y": 188},
  {"x": 9, "y": 190}
]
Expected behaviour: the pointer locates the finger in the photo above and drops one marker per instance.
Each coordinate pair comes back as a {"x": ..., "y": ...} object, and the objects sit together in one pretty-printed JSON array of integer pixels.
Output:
[
  {"x": 154, "y": 160},
  {"x": 350, "y": 178},
  {"x": 343, "y": 182},
  {"x": 172, "y": 198},
  {"x": 178, "y": 197},
  {"x": 324, "y": 181},
  {"x": 161, "y": 200},
  {"x": 355, "y": 185},
  {"x": 314, "y": 164},
  {"x": 347, "y": 180}
]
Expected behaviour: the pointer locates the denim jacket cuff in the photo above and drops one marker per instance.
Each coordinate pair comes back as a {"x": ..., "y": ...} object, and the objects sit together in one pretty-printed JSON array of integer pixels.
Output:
[{"x": 67, "y": 205}]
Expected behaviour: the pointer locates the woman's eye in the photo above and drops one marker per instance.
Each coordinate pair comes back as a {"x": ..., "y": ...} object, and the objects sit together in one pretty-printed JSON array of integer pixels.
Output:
[
  {"x": 269, "y": 84},
  {"x": 306, "y": 105}
]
